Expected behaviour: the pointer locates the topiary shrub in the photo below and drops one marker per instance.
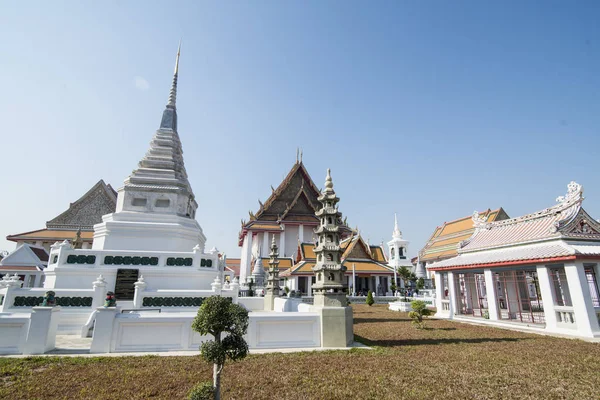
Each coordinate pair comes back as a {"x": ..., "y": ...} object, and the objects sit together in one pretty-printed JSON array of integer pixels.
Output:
[
  {"x": 227, "y": 323},
  {"x": 202, "y": 391},
  {"x": 370, "y": 301},
  {"x": 419, "y": 312}
]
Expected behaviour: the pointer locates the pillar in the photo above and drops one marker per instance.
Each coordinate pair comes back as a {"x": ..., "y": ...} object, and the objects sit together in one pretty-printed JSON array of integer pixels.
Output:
[
  {"x": 545, "y": 283},
  {"x": 439, "y": 291},
  {"x": 585, "y": 315},
  {"x": 282, "y": 240},
  {"x": 492, "y": 294},
  {"x": 99, "y": 286},
  {"x": 452, "y": 297},
  {"x": 105, "y": 318},
  {"x": 265, "y": 244},
  {"x": 138, "y": 296},
  {"x": 41, "y": 337},
  {"x": 377, "y": 285}
]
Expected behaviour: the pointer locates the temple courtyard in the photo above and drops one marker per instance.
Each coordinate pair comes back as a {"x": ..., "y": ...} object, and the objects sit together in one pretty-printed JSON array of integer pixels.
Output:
[{"x": 445, "y": 360}]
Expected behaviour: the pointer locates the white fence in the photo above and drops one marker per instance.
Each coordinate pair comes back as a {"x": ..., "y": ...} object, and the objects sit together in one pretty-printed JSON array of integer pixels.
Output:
[
  {"x": 147, "y": 331},
  {"x": 32, "y": 333}
]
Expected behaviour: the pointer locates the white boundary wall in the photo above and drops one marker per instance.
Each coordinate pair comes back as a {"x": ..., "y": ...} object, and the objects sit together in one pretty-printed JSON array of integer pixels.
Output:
[
  {"x": 34, "y": 333},
  {"x": 148, "y": 331}
]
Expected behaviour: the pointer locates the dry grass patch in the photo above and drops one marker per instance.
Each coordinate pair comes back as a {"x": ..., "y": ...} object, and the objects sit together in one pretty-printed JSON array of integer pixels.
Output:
[{"x": 445, "y": 361}]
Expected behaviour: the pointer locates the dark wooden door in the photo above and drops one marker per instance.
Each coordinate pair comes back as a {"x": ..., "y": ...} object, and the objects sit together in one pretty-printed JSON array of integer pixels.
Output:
[{"x": 124, "y": 288}]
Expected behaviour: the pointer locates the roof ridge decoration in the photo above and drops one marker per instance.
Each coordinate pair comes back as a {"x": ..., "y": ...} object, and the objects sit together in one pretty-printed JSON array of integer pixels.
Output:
[{"x": 568, "y": 204}]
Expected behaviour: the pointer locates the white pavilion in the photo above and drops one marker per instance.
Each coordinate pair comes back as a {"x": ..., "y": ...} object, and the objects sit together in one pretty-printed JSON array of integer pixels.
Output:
[{"x": 536, "y": 272}]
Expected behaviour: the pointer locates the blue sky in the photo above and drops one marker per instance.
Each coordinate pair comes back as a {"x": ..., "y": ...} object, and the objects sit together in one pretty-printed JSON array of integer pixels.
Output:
[{"x": 428, "y": 109}]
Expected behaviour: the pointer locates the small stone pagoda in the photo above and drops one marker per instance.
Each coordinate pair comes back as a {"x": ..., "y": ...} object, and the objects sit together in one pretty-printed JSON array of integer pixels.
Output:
[
  {"x": 272, "y": 289},
  {"x": 329, "y": 289}
]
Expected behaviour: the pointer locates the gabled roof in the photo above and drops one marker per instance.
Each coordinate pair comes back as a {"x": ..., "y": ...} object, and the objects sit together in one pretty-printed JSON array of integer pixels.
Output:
[
  {"x": 444, "y": 241},
  {"x": 26, "y": 256},
  {"x": 365, "y": 258},
  {"x": 88, "y": 210},
  {"x": 564, "y": 230},
  {"x": 296, "y": 195}
]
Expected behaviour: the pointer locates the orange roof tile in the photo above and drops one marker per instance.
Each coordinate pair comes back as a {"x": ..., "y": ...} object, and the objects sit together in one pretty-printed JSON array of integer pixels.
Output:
[
  {"x": 51, "y": 235},
  {"x": 378, "y": 255}
]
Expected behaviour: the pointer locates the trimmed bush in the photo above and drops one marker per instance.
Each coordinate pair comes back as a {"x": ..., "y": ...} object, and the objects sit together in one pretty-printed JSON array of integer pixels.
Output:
[
  {"x": 370, "y": 301},
  {"x": 202, "y": 391}
]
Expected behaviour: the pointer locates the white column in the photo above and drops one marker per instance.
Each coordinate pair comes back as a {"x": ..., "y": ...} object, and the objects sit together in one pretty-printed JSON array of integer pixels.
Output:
[
  {"x": 138, "y": 295},
  {"x": 265, "y": 245},
  {"x": 309, "y": 286},
  {"x": 452, "y": 294},
  {"x": 301, "y": 232},
  {"x": 585, "y": 315},
  {"x": 282, "y": 242},
  {"x": 377, "y": 284},
  {"x": 439, "y": 291},
  {"x": 99, "y": 286},
  {"x": 492, "y": 294},
  {"x": 105, "y": 319},
  {"x": 41, "y": 337},
  {"x": 547, "y": 294},
  {"x": 245, "y": 257}
]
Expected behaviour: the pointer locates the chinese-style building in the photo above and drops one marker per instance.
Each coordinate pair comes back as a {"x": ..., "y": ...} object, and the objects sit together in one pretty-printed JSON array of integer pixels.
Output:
[{"x": 538, "y": 271}]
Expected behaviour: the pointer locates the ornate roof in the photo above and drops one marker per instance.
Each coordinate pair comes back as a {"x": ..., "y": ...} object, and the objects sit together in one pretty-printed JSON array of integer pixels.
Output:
[
  {"x": 88, "y": 210},
  {"x": 564, "y": 230},
  {"x": 444, "y": 241},
  {"x": 296, "y": 196},
  {"x": 366, "y": 258}
]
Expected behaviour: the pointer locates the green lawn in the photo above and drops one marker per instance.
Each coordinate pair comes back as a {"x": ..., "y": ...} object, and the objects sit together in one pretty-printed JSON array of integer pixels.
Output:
[{"x": 447, "y": 360}]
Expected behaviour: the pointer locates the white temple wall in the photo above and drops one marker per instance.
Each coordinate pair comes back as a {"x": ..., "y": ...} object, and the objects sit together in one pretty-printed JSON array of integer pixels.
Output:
[{"x": 291, "y": 241}]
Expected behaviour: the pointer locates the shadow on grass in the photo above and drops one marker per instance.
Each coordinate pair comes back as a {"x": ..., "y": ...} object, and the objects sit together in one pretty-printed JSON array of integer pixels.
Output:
[
  {"x": 418, "y": 342},
  {"x": 438, "y": 329},
  {"x": 375, "y": 320}
]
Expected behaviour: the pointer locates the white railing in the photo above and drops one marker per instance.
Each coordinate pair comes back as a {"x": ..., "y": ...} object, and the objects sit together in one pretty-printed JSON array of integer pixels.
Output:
[
  {"x": 181, "y": 298},
  {"x": 16, "y": 298},
  {"x": 445, "y": 305},
  {"x": 565, "y": 317},
  {"x": 63, "y": 255}
]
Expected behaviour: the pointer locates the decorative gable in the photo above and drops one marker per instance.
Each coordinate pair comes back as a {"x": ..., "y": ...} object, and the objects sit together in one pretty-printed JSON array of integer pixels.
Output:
[
  {"x": 26, "y": 255},
  {"x": 88, "y": 210},
  {"x": 582, "y": 226}
]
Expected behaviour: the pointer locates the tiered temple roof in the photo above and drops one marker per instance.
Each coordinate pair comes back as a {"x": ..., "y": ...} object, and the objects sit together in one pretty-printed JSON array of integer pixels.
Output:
[
  {"x": 367, "y": 259},
  {"x": 445, "y": 239},
  {"x": 294, "y": 200},
  {"x": 562, "y": 232}
]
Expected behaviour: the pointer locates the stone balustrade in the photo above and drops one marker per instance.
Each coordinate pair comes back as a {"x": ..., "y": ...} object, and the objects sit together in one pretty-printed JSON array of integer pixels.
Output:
[{"x": 565, "y": 317}]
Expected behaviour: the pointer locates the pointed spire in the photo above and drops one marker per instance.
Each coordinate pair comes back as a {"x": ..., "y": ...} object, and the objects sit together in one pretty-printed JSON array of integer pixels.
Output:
[
  {"x": 173, "y": 92},
  {"x": 169, "y": 118},
  {"x": 328, "y": 182},
  {"x": 397, "y": 234}
]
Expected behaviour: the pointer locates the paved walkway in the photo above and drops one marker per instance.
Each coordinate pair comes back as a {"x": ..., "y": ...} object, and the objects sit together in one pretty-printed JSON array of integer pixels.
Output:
[{"x": 75, "y": 346}]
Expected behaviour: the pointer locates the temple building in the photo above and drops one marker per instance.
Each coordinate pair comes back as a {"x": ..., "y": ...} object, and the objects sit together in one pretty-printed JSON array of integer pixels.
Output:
[
  {"x": 366, "y": 267},
  {"x": 76, "y": 223},
  {"x": 289, "y": 214},
  {"x": 444, "y": 241},
  {"x": 538, "y": 271},
  {"x": 152, "y": 231}
]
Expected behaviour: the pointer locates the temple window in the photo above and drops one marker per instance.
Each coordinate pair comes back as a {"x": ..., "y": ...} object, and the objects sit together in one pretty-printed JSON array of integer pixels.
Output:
[
  {"x": 329, "y": 257},
  {"x": 401, "y": 251},
  {"x": 163, "y": 203},
  {"x": 593, "y": 285},
  {"x": 329, "y": 238},
  {"x": 329, "y": 220},
  {"x": 139, "y": 202},
  {"x": 393, "y": 253},
  {"x": 560, "y": 287}
]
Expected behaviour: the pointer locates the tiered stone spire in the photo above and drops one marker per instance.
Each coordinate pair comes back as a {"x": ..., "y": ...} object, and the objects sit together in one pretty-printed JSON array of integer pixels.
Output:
[
  {"x": 273, "y": 277},
  {"x": 330, "y": 288},
  {"x": 160, "y": 183}
]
